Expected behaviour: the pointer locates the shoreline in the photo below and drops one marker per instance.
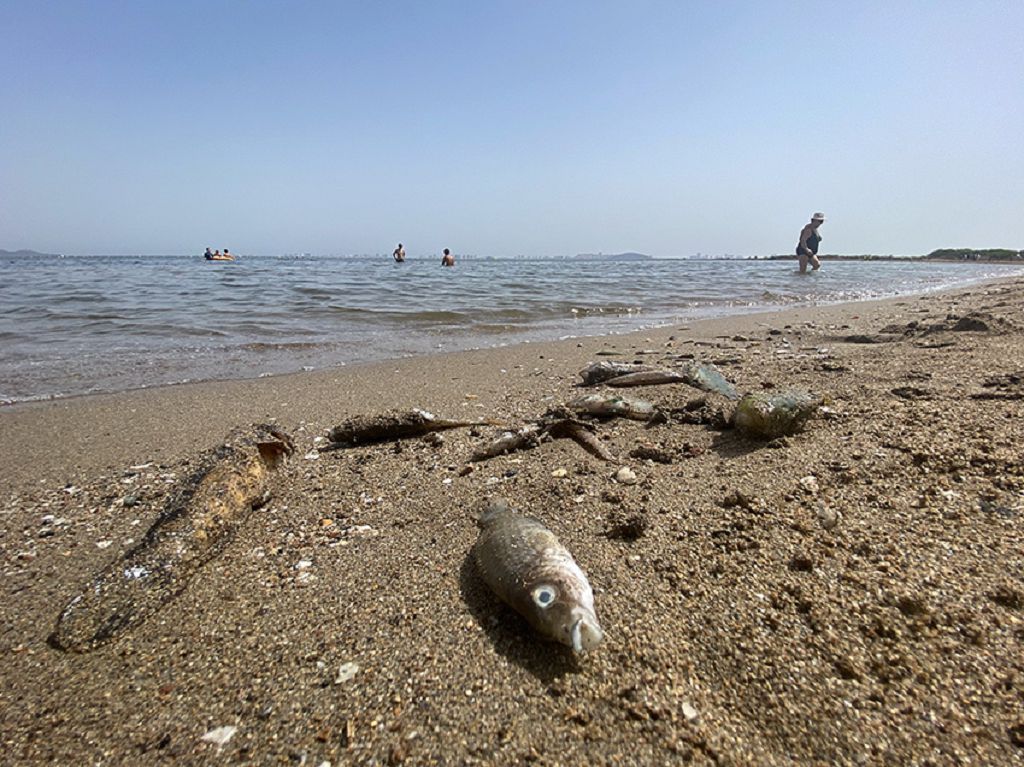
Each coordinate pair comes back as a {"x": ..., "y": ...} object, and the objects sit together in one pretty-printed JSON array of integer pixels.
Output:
[
  {"x": 227, "y": 396},
  {"x": 110, "y": 355},
  {"x": 852, "y": 594},
  {"x": 708, "y": 314}
]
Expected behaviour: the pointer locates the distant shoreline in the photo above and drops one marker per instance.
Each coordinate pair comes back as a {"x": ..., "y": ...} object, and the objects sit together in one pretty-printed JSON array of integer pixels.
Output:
[
  {"x": 965, "y": 256},
  {"x": 1018, "y": 259}
]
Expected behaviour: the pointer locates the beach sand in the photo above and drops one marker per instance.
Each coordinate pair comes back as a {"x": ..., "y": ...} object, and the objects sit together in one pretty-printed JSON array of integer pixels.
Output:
[{"x": 853, "y": 594}]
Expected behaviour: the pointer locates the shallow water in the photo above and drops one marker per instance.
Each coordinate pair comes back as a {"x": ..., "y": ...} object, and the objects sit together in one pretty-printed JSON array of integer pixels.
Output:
[{"x": 81, "y": 324}]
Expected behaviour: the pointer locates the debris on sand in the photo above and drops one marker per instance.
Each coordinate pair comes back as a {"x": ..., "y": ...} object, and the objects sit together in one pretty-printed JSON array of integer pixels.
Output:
[
  {"x": 393, "y": 425},
  {"x": 582, "y": 434},
  {"x": 646, "y": 378},
  {"x": 613, "y": 405},
  {"x": 531, "y": 571},
  {"x": 625, "y": 476},
  {"x": 197, "y": 522},
  {"x": 598, "y": 372},
  {"x": 705, "y": 377},
  {"x": 652, "y": 453},
  {"x": 509, "y": 442},
  {"x": 220, "y": 736},
  {"x": 768, "y": 416},
  {"x": 555, "y": 424},
  {"x": 708, "y": 378}
]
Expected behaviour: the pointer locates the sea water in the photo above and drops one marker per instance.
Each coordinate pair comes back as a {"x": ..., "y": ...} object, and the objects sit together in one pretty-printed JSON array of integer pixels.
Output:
[{"x": 82, "y": 324}]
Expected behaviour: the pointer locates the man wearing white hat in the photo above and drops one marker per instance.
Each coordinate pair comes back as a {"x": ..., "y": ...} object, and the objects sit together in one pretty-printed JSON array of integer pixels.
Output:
[{"x": 807, "y": 248}]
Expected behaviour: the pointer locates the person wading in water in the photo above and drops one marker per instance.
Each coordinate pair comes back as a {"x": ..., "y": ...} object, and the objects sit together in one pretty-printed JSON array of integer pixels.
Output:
[{"x": 807, "y": 248}]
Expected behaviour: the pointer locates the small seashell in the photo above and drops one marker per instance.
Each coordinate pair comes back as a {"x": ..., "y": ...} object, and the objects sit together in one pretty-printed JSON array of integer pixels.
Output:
[
  {"x": 625, "y": 476},
  {"x": 220, "y": 735},
  {"x": 345, "y": 672},
  {"x": 690, "y": 714},
  {"x": 810, "y": 484},
  {"x": 559, "y": 473}
]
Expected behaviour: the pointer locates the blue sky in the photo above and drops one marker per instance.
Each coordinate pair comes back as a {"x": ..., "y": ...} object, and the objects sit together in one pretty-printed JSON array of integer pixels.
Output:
[{"x": 501, "y": 128}]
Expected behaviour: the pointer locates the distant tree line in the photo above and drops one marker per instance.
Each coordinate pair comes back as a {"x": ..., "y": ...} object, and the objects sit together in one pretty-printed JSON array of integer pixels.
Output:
[{"x": 970, "y": 254}]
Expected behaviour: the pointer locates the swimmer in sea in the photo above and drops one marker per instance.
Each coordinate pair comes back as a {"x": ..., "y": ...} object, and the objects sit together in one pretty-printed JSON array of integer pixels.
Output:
[{"x": 447, "y": 259}]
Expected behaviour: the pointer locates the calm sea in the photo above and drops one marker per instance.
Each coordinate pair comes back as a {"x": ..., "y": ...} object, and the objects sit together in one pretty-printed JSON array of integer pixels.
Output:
[{"x": 75, "y": 325}]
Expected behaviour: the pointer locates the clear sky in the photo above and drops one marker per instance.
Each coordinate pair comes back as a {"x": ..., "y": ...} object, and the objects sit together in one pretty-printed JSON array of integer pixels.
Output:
[{"x": 500, "y": 128}]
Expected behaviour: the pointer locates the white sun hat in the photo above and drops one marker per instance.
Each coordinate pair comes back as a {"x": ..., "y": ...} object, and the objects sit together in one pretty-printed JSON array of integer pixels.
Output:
[{"x": 818, "y": 217}]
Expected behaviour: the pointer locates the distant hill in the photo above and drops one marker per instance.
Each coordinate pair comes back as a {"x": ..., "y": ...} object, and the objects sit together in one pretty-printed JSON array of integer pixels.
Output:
[
  {"x": 614, "y": 256},
  {"x": 25, "y": 253}
]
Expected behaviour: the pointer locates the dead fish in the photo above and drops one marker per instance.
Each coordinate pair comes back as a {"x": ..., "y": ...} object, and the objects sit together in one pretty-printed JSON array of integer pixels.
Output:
[
  {"x": 760, "y": 414},
  {"x": 708, "y": 378},
  {"x": 526, "y": 566},
  {"x": 509, "y": 442},
  {"x": 596, "y": 372},
  {"x": 197, "y": 522},
  {"x": 704, "y": 377},
  {"x": 366, "y": 429},
  {"x": 582, "y": 436},
  {"x": 611, "y": 405},
  {"x": 647, "y": 378}
]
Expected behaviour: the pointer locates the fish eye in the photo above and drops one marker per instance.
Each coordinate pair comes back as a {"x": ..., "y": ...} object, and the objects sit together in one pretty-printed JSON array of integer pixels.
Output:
[{"x": 544, "y": 596}]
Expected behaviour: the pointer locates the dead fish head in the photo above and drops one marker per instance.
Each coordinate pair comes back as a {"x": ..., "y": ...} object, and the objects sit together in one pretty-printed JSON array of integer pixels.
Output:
[{"x": 564, "y": 611}]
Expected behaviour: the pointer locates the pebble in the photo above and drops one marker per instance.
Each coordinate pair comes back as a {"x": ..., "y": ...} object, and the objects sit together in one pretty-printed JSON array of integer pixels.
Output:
[
  {"x": 827, "y": 516},
  {"x": 810, "y": 484},
  {"x": 345, "y": 672},
  {"x": 625, "y": 476},
  {"x": 103, "y": 544},
  {"x": 690, "y": 714},
  {"x": 559, "y": 473}
]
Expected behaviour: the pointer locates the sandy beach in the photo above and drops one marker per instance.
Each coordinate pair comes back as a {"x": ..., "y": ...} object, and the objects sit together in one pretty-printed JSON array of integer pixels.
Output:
[{"x": 852, "y": 594}]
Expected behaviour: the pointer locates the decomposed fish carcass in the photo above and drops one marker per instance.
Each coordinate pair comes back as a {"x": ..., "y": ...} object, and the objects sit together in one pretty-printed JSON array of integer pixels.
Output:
[
  {"x": 612, "y": 405},
  {"x": 597, "y": 372},
  {"x": 198, "y": 520},
  {"x": 707, "y": 378},
  {"x": 769, "y": 415},
  {"x": 531, "y": 571},
  {"x": 647, "y": 378},
  {"x": 367, "y": 429},
  {"x": 509, "y": 442}
]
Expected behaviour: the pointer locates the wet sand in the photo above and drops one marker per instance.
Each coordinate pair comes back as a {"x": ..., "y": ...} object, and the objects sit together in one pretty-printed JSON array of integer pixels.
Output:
[{"x": 853, "y": 594}]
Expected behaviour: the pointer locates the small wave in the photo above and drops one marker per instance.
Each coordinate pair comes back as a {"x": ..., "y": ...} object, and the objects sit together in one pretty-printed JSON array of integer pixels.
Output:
[
  {"x": 314, "y": 292},
  {"x": 263, "y": 346},
  {"x": 595, "y": 311}
]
